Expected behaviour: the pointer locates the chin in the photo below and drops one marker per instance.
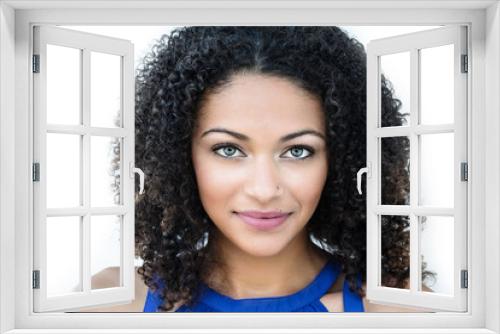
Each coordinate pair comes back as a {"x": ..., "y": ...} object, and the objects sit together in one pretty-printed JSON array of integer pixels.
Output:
[{"x": 264, "y": 248}]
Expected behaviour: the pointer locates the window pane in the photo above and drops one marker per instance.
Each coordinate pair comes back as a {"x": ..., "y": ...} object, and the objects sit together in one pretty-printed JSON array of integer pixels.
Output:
[
  {"x": 436, "y": 85},
  {"x": 395, "y": 178},
  {"x": 63, "y": 170},
  {"x": 63, "y": 85},
  {"x": 436, "y": 247},
  {"x": 105, "y": 89},
  {"x": 395, "y": 260},
  {"x": 105, "y": 237},
  {"x": 437, "y": 170},
  {"x": 105, "y": 170},
  {"x": 63, "y": 255},
  {"x": 396, "y": 68}
]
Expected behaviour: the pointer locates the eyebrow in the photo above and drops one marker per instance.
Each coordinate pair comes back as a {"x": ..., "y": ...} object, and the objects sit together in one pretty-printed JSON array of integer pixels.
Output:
[{"x": 283, "y": 139}]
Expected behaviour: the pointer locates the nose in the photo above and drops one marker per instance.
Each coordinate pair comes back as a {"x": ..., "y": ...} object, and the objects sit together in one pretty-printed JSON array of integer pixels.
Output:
[{"x": 263, "y": 182}]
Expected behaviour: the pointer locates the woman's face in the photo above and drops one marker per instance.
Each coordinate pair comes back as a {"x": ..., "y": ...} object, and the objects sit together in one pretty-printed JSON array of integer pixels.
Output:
[{"x": 255, "y": 169}]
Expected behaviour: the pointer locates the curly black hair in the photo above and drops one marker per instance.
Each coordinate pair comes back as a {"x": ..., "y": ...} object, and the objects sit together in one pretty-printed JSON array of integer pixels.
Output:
[{"x": 172, "y": 228}]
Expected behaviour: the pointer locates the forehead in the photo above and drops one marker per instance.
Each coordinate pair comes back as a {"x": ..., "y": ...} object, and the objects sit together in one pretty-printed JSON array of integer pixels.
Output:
[{"x": 260, "y": 102}]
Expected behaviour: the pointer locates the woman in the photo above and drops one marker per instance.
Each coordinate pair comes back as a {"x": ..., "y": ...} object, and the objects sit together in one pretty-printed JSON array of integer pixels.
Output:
[{"x": 250, "y": 139}]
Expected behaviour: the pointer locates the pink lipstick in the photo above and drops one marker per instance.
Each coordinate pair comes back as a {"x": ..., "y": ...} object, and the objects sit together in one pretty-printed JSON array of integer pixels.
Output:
[{"x": 263, "y": 220}]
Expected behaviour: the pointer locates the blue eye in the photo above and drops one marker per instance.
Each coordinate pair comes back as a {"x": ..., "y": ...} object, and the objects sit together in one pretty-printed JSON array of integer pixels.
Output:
[
  {"x": 297, "y": 152},
  {"x": 229, "y": 150}
]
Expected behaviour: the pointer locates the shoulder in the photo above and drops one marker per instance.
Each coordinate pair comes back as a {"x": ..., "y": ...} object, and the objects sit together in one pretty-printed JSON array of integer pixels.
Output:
[{"x": 333, "y": 301}]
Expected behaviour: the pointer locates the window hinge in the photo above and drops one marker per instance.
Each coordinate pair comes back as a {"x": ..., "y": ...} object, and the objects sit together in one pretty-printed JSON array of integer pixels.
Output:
[
  {"x": 464, "y": 171},
  {"x": 465, "y": 65},
  {"x": 36, "y": 279},
  {"x": 464, "y": 279},
  {"x": 36, "y": 172},
  {"x": 36, "y": 63}
]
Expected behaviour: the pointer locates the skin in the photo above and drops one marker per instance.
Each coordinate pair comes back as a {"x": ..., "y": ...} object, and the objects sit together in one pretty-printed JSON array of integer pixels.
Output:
[{"x": 260, "y": 173}]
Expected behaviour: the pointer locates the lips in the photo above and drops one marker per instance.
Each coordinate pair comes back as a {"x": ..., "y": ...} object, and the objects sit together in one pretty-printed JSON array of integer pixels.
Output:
[
  {"x": 263, "y": 214},
  {"x": 263, "y": 220}
]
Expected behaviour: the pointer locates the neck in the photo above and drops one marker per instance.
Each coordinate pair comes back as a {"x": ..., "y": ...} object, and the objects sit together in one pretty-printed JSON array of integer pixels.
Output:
[{"x": 242, "y": 275}]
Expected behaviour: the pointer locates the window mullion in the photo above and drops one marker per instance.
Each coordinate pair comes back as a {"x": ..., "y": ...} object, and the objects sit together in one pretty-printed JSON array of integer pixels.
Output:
[
  {"x": 85, "y": 103},
  {"x": 81, "y": 130},
  {"x": 414, "y": 170}
]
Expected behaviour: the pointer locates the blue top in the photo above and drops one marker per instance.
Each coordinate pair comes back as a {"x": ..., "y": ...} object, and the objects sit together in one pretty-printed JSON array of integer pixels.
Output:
[{"x": 305, "y": 300}]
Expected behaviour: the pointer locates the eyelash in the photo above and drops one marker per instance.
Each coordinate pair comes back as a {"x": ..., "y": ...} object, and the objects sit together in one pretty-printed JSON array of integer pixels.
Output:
[{"x": 224, "y": 145}]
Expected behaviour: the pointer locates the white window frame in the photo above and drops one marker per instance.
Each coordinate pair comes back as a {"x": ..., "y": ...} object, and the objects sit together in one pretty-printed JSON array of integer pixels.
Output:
[
  {"x": 87, "y": 43},
  {"x": 412, "y": 44},
  {"x": 16, "y": 19}
]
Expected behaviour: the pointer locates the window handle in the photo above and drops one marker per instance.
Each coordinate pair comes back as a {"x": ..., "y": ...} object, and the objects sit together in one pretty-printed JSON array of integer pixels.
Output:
[
  {"x": 366, "y": 170},
  {"x": 139, "y": 171}
]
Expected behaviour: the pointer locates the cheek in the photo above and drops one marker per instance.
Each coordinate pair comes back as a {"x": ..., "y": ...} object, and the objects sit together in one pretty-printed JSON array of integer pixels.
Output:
[
  {"x": 306, "y": 184},
  {"x": 216, "y": 185}
]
